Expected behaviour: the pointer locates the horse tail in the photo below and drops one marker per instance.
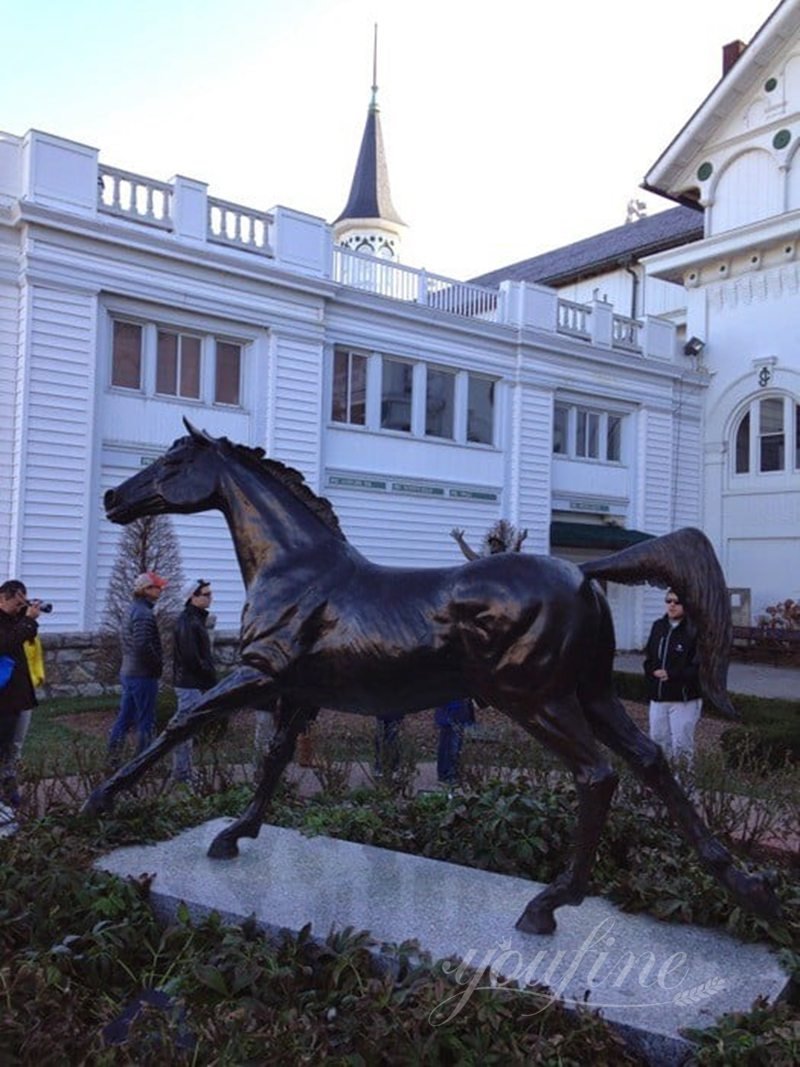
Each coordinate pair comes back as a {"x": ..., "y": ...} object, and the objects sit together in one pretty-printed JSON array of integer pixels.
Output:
[{"x": 686, "y": 562}]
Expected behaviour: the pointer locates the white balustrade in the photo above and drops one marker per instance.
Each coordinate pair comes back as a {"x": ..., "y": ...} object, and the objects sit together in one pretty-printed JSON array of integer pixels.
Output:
[
  {"x": 573, "y": 319},
  {"x": 132, "y": 196},
  {"x": 240, "y": 227},
  {"x": 398, "y": 282},
  {"x": 625, "y": 333}
]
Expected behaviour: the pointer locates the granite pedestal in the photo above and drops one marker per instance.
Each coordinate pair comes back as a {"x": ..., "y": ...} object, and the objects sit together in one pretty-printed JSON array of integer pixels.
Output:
[{"x": 648, "y": 978}]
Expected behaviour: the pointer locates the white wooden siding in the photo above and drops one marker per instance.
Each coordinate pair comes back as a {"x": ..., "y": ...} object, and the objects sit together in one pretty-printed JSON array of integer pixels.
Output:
[
  {"x": 295, "y": 409},
  {"x": 688, "y": 469},
  {"x": 535, "y": 466},
  {"x": 410, "y": 530},
  {"x": 750, "y": 188},
  {"x": 9, "y": 364},
  {"x": 58, "y": 449}
]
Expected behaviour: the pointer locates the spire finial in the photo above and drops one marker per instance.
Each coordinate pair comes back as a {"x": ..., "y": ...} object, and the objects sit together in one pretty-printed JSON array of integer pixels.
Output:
[{"x": 375, "y": 66}]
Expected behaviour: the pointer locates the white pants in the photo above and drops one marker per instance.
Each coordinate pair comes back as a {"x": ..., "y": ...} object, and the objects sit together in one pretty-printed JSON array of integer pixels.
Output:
[
  {"x": 672, "y": 725},
  {"x": 266, "y": 725}
]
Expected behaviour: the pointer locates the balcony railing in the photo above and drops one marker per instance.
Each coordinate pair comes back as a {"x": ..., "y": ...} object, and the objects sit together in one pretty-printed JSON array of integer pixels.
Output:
[
  {"x": 625, "y": 333},
  {"x": 240, "y": 227},
  {"x": 398, "y": 282},
  {"x": 132, "y": 196},
  {"x": 173, "y": 207},
  {"x": 573, "y": 319}
]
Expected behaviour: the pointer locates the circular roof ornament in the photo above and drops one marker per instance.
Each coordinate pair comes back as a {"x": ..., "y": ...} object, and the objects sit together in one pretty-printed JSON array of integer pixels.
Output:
[
  {"x": 704, "y": 171},
  {"x": 781, "y": 139},
  {"x": 770, "y": 85}
]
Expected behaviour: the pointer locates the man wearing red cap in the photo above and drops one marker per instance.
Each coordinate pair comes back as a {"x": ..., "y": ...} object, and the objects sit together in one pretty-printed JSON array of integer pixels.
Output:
[{"x": 142, "y": 663}]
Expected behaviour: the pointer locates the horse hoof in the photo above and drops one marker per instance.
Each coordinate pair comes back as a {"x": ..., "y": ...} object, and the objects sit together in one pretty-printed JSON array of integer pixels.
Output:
[
  {"x": 99, "y": 802},
  {"x": 223, "y": 848},
  {"x": 535, "y": 921},
  {"x": 765, "y": 900},
  {"x": 756, "y": 894}
]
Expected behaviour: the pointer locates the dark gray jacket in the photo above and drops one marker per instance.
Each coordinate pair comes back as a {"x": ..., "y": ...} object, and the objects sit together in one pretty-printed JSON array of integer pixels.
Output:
[
  {"x": 193, "y": 663},
  {"x": 141, "y": 642}
]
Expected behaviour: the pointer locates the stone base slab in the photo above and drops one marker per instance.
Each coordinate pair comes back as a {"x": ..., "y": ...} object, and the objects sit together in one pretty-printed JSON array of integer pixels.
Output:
[{"x": 648, "y": 978}]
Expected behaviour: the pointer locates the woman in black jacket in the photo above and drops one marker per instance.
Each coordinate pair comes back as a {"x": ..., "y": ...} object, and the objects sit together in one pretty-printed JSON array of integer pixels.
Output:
[
  {"x": 17, "y": 697},
  {"x": 673, "y": 680},
  {"x": 193, "y": 666}
]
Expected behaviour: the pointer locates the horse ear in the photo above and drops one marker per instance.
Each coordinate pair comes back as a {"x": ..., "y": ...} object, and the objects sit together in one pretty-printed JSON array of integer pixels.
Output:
[{"x": 198, "y": 435}]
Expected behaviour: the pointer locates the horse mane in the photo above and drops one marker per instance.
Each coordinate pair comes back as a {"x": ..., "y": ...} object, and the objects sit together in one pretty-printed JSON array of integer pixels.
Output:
[{"x": 292, "y": 479}]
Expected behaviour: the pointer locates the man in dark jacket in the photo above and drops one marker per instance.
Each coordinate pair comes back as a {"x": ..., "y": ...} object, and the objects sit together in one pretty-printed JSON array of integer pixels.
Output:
[
  {"x": 17, "y": 697},
  {"x": 141, "y": 667},
  {"x": 194, "y": 670},
  {"x": 673, "y": 680}
]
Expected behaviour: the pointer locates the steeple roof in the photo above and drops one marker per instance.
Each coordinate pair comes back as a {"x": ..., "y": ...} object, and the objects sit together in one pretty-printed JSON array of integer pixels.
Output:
[{"x": 370, "y": 195}]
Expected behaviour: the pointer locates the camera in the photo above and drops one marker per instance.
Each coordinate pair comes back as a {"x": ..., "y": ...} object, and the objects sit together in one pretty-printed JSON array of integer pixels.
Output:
[{"x": 44, "y": 608}]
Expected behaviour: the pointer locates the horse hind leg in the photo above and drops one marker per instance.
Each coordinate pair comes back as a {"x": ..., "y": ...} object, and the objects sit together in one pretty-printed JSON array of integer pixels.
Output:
[
  {"x": 563, "y": 730},
  {"x": 615, "y": 728},
  {"x": 292, "y": 721}
]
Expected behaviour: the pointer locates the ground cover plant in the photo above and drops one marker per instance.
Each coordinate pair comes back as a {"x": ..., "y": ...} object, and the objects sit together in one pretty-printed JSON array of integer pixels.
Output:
[{"x": 80, "y": 948}]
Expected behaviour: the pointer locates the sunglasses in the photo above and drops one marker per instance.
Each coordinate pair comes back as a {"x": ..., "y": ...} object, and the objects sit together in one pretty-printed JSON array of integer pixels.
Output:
[{"x": 671, "y": 600}]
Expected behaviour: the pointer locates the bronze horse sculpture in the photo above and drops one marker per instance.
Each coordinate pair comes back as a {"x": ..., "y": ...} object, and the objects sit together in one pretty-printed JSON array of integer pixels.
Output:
[{"x": 530, "y": 635}]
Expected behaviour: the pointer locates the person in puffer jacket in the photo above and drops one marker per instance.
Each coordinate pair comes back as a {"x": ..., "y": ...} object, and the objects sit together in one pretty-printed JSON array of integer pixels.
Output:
[
  {"x": 142, "y": 664},
  {"x": 673, "y": 680},
  {"x": 193, "y": 666}
]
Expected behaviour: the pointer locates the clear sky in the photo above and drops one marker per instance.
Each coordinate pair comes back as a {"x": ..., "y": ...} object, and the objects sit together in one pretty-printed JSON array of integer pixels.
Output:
[{"x": 511, "y": 127}]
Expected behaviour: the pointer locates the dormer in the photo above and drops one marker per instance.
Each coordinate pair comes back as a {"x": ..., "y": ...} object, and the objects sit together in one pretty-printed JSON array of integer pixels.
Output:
[{"x": 737, "y": 155}]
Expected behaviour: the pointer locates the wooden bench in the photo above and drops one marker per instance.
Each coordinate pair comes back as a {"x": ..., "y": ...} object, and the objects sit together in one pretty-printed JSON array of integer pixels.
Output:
[{"x": 775, "y": 641}]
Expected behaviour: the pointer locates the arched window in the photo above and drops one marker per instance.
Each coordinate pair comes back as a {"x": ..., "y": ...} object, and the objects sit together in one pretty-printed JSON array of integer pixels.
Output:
[{"x": 767, "y": 436}]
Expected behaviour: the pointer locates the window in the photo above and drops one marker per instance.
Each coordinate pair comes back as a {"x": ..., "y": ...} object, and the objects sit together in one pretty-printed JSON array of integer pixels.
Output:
[
  {"x": 585, "y": 433},
  {"x": 480, "y": 410},
  {"x": 409, "y": 396},
  {"x": 349, "y": 401},
  {"x": 743, "y": 445},
  {"x": 155, "y": 360},
  {"x": 396, "y": 391},
  {"x": 560, "y": 429},
  {"x": 613, "y": 438},
  {"x": 771, "y": 438},
  {"x": 178, "y": 365},
  {"x": 227, "y": 373},
  {"x": 126, "y": 359},
  {"x": 767, "y": 436},
  {"x": 439, "y": 403}
]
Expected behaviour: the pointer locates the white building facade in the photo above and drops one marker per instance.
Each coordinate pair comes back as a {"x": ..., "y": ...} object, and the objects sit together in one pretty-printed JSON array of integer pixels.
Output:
[
  {"x": 738, "y": 158},
  {"x": 414, "y": 402}
]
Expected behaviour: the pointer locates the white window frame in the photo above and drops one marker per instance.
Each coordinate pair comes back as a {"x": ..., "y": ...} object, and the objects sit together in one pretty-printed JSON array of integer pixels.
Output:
[
  {"x": 418, "y": 410},
  {"x": 151, "y": 326},
  {"x": 575, "y": 409},
  {"x": 790, "y": 438}
]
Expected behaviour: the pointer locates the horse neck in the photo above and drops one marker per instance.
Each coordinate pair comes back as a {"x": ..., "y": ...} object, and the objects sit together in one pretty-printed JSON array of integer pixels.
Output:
[{"x": 268, "y": 523}]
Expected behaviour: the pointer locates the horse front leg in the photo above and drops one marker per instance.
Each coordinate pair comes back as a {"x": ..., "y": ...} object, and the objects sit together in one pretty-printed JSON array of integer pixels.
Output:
[
  {"x": 562, "y": 728},
  {"x": 244, "y": 686},
  {"x": 292, "y": 721}
]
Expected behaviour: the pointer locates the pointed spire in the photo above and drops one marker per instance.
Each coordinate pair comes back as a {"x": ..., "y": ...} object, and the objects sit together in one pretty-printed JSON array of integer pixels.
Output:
[{"x": 370, "y": 195}]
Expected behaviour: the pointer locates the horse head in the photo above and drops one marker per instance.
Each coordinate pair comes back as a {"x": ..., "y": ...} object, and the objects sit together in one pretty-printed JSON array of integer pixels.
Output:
[{"x": 183, "y": 480}]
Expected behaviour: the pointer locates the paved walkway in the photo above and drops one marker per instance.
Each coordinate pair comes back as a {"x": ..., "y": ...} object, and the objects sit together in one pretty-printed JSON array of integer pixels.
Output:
[{"x": 753, "y": 679}]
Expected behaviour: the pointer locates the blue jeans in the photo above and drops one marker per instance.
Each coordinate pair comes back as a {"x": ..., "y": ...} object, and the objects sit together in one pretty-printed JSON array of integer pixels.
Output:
[
  {"x": 449, "y": 751},
  {"x": 137, "y": 711},
  {"x": 182, "y": 753}
]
